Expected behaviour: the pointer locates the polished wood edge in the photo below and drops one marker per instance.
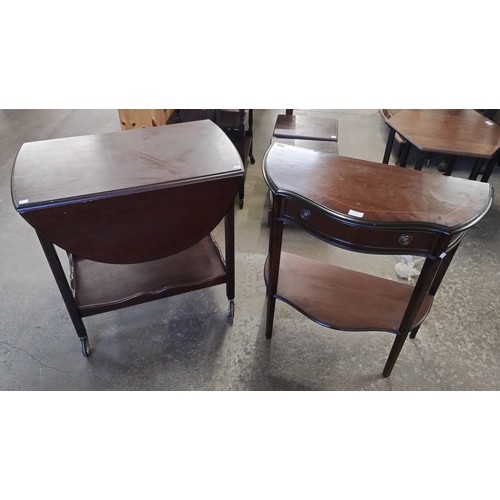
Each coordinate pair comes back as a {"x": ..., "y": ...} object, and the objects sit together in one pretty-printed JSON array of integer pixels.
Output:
[
  {"x": 28, "y": 207},
  {"x": 311, "y": 137}
]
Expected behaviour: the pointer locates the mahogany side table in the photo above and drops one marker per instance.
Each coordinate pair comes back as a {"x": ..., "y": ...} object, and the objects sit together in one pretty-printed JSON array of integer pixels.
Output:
[{"x": 371, "y": 208}]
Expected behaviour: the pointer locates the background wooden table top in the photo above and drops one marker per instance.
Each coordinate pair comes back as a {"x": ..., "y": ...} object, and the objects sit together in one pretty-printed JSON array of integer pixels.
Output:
[{"x": 462, "y": 132}]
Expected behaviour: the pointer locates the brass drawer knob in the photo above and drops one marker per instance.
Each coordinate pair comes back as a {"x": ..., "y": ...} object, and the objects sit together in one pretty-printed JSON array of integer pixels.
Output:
[
  {"x": 405, "y": 239},
  {"x": 305, "y": 214}
]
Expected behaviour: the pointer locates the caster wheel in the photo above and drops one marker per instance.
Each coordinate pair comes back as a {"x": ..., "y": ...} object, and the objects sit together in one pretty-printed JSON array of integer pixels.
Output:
[
  {"x": 231, "y": 310},
  {"x": 85, "y": 347}
]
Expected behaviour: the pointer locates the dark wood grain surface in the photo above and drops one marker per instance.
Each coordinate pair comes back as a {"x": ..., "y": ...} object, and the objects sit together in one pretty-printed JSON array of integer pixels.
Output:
[
  {"x": 377, "y": 193},
  {"x": 130, "y": 196},
  {"x": 365, "y": 207},
  {"x": 306, "y": 127},
  {"x": 100, "y": 287},
  {"x": 462, "y": 132},
  {"x": 344, "y": 299},
  {"x": 140, "y": 226},
  {"x": 79, "y": 168},
  {"x": 134, "y": 211}
]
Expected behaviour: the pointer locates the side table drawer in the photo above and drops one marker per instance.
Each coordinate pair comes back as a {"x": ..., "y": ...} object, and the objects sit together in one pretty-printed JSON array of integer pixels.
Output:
[{"x": 346, "y": 235}]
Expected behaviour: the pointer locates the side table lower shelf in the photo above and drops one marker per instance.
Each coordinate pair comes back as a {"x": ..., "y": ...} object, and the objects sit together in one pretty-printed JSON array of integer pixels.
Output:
[
  {"x": 343, "y": 299},
  {"x": 100, "y": 287}
]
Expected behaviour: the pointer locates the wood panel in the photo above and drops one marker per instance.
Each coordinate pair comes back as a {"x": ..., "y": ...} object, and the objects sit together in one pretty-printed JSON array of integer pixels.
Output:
[
  {"x": 144, "y": 118},
  {"x": 366, "y": 193},
  {"x": 343, "y": 299}
]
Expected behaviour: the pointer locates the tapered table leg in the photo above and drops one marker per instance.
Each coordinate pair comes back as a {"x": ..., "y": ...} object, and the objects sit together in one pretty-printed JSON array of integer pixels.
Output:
[
  {"x": 422, "y": 158},
  {"x": 393, "y": 355},
  {"x": 388, "y": 147},
  {"x": 275, "y": 239}
]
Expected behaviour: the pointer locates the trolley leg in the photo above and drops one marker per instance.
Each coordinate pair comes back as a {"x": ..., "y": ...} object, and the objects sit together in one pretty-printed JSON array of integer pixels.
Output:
[
  {"x": 65, "y": 290},
  {"x": 229, "y": 254}
]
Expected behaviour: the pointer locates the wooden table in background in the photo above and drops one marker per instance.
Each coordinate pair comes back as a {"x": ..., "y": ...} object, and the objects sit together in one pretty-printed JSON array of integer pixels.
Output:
[{"x": 453, "y": 132}]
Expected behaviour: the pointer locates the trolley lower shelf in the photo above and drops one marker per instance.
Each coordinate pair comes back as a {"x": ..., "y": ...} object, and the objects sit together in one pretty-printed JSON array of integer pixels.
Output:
[
  {"x": 100, "y": 287},
  {"x": 343, "y": 299}
]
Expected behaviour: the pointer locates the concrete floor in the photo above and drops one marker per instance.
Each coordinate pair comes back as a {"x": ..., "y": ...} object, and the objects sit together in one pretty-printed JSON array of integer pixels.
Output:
[{"x": 186, "y": 342}]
